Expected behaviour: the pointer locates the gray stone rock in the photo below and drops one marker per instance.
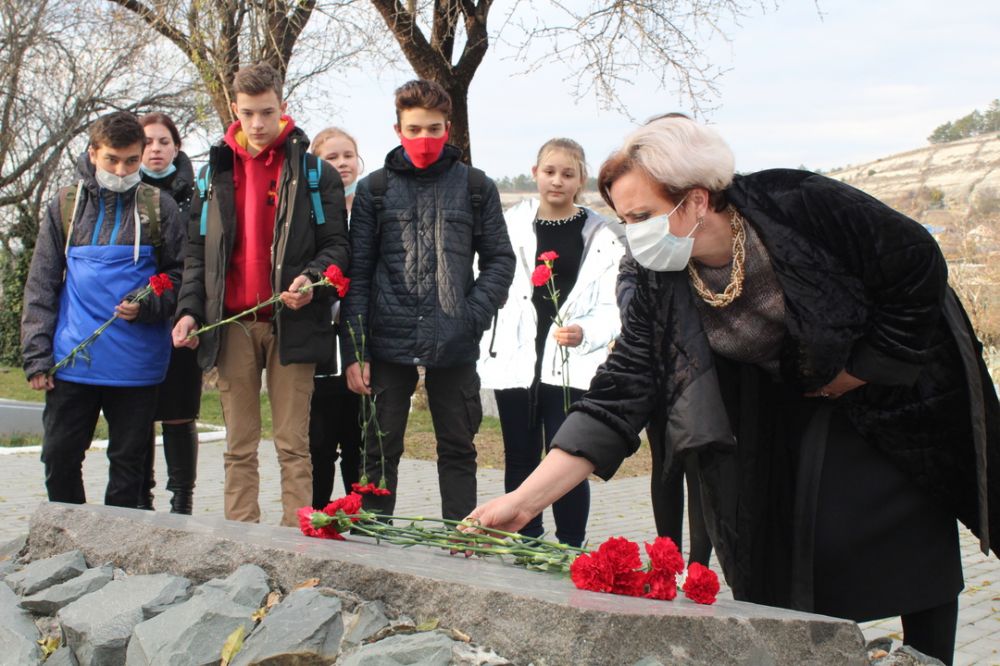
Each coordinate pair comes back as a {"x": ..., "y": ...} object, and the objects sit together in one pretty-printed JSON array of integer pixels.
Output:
[
  {"x": 525, "y": 616},
  {"x": 17, "y": 632},
  {"x": 193, "y": 633},
  {"x": 51, "y": 599},
  {"x": 48, "y": 572},
  {"x": 369, "y": 618},
  {"x": 880, "y": 643},
  {"x": 188, "y": 634},
  {"x": 7, "y": 567},
  {"x": 247, "y": 586},
  {"x": 62, "y": 657},
  {"x": 305, "y": 627},
  {"x": 10, "y": 550},
  {"x": 98, "y": 626},
  {"x": 649, "y": 661},
  {"x": 423, "y": 649}
]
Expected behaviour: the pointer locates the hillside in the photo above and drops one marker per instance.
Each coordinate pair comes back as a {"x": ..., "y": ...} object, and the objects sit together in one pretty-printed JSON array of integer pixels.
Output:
[{"x": 954, "y": 188}]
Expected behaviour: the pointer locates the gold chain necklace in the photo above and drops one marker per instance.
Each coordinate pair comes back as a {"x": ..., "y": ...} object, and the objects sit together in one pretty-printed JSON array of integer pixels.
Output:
[{"x": 735, "y": 286}]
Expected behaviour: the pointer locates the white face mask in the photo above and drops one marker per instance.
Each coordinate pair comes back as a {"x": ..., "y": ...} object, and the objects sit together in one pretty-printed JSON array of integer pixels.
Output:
[
  {"x": 110, "y": 181},
  {"x": 655, "y": 248}
]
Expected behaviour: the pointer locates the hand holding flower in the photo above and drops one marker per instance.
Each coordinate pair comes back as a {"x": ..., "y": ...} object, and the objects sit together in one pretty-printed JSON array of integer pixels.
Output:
[
  {"x": 295, "y": 297},
  {"x": 127, "y": 310},
  {"x": 184, "y": 332},
  {"x": 42, "y": 382},
  {"x": 568, "y": 336},
  {"x": 359, "y": 378}
]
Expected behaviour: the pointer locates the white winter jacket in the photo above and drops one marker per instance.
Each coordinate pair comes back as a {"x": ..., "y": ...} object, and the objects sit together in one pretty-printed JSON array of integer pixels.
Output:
[{"x": 507, "y": 355}]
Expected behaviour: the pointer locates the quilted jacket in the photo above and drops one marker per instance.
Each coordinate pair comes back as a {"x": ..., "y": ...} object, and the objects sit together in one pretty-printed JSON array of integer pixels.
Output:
[{"x": 413, "y": 289}]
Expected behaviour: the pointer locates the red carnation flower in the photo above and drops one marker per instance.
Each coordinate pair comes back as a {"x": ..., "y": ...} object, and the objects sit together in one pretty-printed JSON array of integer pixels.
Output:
[
  {"x": 622, "y": 554},
  {"x": 548, "y": 255},
  {"x": 591, "y": 572},
  {"x": 701, "y": 584},
  {"x": 350, "y": 505},
  {"x": 664, "y": 556},
  {"x": 309, "y": 528},
  {"x": 337, "y": 280},
  {"x": 662, "y": 585},
  {"x": 160, "y": 283},
  {"x": 370, "y": 489},
  {"x": 629, "y": 583},
  {"x": 541, "y": 275}
]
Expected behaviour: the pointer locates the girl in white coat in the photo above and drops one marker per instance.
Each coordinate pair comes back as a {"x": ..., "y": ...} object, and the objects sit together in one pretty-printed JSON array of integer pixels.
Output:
[{"x": 520, "y": 357}]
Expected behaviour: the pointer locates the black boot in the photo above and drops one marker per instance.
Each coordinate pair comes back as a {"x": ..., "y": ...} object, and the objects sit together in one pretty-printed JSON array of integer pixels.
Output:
[
  {"x": 149, "y": 478},
  {"x": 180, "y": 447}
]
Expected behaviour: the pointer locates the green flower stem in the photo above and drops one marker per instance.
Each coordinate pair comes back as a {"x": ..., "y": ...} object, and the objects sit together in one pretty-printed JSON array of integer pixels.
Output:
[
  {"x": 369, "y": 415},
  {"x": 275, "y": 298},
  {"x": 530, "y": 552}
]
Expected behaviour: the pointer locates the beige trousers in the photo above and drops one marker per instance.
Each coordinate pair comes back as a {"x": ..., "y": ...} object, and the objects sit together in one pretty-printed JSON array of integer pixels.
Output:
[{"x": 245, "y": 351}]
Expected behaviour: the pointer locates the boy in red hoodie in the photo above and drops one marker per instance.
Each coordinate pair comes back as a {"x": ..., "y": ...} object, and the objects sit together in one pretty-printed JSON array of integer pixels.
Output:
[{"x": 260, "y": 225}]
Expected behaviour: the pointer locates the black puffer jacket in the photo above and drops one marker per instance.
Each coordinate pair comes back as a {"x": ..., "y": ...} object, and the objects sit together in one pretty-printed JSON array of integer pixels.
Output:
[
  {"x": 412, "y": 279},
  {"x": 865, "y": 289}
]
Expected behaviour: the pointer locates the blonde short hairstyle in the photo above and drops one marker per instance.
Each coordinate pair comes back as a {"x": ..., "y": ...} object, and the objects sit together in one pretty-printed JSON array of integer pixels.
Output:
[{"x": 676, "y": 152}]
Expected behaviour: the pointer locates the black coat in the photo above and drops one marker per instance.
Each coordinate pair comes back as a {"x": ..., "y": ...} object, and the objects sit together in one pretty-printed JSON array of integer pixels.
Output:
[
  {"x": 300, "y": 247},
  {"x": 412, "y": 279},
  {"x": 865, "y": 289}
]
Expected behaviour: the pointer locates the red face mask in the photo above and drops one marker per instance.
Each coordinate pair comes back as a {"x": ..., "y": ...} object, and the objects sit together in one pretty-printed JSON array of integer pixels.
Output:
[{"x": 424, "y": 151}]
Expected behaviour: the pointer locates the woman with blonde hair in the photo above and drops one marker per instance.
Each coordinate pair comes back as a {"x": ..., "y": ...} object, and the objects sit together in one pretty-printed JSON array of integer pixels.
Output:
[
  {"x": 799, "y": 339},
  {"x": 521, "y": 355}
]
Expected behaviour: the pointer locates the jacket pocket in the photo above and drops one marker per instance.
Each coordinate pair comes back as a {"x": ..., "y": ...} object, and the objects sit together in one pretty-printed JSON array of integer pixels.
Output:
[{"x": 456, "y": 236}]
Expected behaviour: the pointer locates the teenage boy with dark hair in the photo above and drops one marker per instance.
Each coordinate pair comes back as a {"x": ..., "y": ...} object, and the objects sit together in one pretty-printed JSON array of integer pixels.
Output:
[
  {"x": 99, "y": 242},
  {"x": 416, "y": 226},
  {"x": 267, "y": 218}
]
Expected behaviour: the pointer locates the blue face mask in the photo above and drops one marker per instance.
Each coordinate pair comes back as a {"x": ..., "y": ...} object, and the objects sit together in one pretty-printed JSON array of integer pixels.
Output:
[
  {"x": 158, "y": 174},
  {"x": 349, "y": 189}
]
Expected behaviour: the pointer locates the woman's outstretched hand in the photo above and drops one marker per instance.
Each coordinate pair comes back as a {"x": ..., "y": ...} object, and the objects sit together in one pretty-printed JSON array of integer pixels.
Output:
[
  {"x": 503, "y": 513},
  {"x": 558, "y": 473}
]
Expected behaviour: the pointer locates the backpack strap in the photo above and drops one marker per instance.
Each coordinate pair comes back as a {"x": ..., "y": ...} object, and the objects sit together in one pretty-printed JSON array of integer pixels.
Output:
[
  {"x": 477, "y": 179},
  {"x": 204, "y": 184},
  {"x": 147, "y": 202},
  {"x": 69, "y": 204},
  {"x": 378, "y": 182},
  {"x": 312, "y": 179}
]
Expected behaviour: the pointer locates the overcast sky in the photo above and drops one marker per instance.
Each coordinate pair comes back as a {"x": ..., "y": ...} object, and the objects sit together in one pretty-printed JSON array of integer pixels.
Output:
[{"x": 846, "y": 83}]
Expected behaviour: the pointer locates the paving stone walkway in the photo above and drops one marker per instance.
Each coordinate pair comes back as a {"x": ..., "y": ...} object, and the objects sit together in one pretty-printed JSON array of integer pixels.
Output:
[{"x": 618, "y": 508}]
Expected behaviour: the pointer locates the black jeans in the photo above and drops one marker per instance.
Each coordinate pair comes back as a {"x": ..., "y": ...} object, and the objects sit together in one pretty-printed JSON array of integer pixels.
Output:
[
  {"x": 525, "y": 426},
  {"x": 70, "y": 416},
  {"x": 333, "y": 425},
  {"x": 456, "y": 412}
]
